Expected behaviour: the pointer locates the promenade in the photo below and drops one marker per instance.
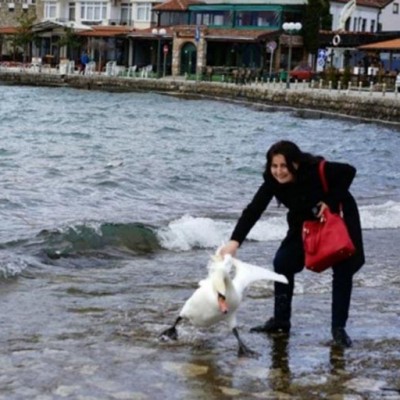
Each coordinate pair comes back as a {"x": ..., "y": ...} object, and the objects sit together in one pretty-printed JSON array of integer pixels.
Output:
[{"x": 374, "y": 103}]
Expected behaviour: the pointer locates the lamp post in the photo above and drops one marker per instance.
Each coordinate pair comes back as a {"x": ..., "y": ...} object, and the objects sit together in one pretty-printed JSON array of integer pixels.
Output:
[
  {"x": 290, "y": 28},
  {"x": 159, "y": 33}
]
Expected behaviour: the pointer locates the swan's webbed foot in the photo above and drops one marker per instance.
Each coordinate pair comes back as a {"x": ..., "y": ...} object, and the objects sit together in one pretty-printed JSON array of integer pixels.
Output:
[
  {"x": 170, "y": 333},
  {"x": 244, "y": 351}
]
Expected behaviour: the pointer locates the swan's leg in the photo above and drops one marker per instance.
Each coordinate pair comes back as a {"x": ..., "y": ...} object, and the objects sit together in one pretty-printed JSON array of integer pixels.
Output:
[
  {"x": 244, "y": 351},
  {"x": 171, "y": 333}
]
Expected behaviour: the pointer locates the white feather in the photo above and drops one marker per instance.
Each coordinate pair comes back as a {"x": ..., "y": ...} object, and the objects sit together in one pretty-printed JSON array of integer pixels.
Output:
[{"x": 202, "y": 309}]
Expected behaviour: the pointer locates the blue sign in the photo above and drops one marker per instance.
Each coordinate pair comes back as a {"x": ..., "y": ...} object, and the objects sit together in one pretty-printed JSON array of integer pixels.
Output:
[
  {"x": 322, "y": 53},
  {"x": 197, "y": 34}
]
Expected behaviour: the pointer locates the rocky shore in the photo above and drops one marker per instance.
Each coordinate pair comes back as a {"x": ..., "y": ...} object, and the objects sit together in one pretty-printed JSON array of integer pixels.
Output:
[{"x": 365, "y": 105}]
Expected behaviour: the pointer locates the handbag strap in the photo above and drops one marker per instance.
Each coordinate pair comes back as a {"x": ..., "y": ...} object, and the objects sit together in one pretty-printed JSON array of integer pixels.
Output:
[
  {"x": 325, "y": 183},
  {"x": 322, "y": 175}
]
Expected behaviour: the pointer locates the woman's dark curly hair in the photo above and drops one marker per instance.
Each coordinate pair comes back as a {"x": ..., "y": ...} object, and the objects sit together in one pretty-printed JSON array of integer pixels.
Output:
[{"x": 292, "y": 154}]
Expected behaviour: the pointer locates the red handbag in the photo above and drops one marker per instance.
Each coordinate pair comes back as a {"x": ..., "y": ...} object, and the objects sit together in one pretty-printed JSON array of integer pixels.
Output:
[{"x": 326, "y": 241}]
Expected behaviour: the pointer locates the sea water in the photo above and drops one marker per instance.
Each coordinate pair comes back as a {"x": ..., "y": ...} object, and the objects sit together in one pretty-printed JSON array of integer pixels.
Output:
[{"x": 110, "y": 206}]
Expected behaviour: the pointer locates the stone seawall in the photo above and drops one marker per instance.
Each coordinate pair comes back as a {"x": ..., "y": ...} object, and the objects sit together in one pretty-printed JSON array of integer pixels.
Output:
[{"x": 307, "y": 102}]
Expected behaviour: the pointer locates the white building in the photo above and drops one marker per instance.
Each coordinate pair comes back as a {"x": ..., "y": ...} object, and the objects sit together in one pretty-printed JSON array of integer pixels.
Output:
[
  {"x": 135, "y": 13},
  {"x": 390, "y": 16},
  {"x": 365, "y": 15}
]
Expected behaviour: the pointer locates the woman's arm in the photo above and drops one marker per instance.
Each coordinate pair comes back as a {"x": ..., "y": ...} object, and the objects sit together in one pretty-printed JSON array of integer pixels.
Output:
[{"x": 252, "y": 213}]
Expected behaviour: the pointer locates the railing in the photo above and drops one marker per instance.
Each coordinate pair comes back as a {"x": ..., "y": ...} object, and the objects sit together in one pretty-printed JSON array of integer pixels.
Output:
[
  {"x": 121, "y": 22},
  {"x": 67, "y": 67}
]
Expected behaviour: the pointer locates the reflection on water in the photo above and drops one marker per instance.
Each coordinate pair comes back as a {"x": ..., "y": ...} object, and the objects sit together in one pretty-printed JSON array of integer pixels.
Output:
[
  {"x": 280, "y": 374},
  {"x": 337, "y": 360}
]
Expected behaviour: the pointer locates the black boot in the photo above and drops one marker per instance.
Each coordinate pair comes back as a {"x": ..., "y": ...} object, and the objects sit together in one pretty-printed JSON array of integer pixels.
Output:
[
  {"x": 341, "y": 338},
  {"x": 272, "y": 326}
]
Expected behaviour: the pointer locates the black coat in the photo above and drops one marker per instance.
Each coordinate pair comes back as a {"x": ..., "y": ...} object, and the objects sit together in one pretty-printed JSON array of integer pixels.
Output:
[{"x": 300, "y": 196}]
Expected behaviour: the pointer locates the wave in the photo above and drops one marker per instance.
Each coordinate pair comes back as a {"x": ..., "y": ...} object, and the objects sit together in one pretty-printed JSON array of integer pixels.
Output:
[
  {"x": 189, "y": 232},
  {"x": 109, "y": 240},
  {"x": 381, "y": 216},
  {"x": 94, "y": 239}
]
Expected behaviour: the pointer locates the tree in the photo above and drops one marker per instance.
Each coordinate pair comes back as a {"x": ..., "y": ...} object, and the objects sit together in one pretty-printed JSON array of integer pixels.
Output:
[
  {"x": 24, "y": 35},
  {"x": 70, "y": 40},
  {"x": 316, "y": 17}
]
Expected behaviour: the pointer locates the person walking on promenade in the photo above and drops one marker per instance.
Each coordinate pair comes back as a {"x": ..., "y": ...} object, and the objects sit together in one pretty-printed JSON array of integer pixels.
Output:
[
  {"x": 292, "y": 177},
  {"x": 84, "y": 61}
]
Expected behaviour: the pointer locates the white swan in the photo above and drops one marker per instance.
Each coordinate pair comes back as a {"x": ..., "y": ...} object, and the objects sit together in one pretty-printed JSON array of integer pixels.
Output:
[{"x": 219, "y": 296}]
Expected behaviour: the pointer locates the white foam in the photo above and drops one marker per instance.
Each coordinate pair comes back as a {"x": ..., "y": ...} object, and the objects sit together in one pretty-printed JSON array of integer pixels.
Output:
[
  {"x": 381, "y": 216},
  {"x": 190, "y": 232},
  {"x": 11, "y": 266}
]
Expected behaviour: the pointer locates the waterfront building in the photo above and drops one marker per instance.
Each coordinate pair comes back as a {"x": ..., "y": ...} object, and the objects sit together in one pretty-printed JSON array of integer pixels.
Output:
[{"x": 241, "y": 39}]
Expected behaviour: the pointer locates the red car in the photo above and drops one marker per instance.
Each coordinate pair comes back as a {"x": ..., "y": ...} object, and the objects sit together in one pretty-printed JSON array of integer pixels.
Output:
[{"x": 302, "y": 73}]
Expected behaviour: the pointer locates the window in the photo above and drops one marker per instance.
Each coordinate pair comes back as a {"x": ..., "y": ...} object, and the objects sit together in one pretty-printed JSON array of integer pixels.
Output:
[
  {"x": 364, "y": 25},
  {"x": 372, "y": 25},
  {"x": 93, "y": 11},
  {"x": 347, "y": 24},
  {"x": 260, "y": 18},
  {"x": 50, "y": 10},
  {"x": 395, "y": 8},
  {"x": 71, "y": 12},
  {"x": 143, "y": 11},
  {"x": 126, "y": 13},
  {"x": 267, "y": 18}
]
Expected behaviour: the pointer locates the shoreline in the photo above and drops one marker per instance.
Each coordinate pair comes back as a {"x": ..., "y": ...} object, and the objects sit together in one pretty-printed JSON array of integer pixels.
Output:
[{"x": 300, "y": 99}]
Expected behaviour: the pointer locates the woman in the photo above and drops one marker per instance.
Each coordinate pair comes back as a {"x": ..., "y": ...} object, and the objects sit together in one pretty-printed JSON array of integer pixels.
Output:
[{"x": 292, "y": 177}]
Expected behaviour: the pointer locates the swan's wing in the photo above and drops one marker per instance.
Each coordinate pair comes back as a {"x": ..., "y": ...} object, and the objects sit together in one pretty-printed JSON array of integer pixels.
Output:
[{"x": 248, "y": 273}]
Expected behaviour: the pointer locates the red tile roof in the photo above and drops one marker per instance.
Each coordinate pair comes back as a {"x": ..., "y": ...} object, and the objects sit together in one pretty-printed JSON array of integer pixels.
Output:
[
  {"x": 393, "y": 44},
  {"x": 176, "y": 5},
  {"x": 244, "y": 35},
  {"x": 106, "y": 31},
  {"x": 8, "y": 30}
]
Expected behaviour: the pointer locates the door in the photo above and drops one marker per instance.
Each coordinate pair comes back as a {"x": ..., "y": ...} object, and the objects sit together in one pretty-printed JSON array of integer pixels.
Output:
[{"x": 188, "y": 59}]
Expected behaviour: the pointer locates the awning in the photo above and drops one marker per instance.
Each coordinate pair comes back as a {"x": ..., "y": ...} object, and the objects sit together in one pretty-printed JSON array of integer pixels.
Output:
[
  {"x": 49, "y": 25},
  {"x": 148, "y": 34},
  {"x": 393, "y": 45},
  {"x": 239, "y": 35}
]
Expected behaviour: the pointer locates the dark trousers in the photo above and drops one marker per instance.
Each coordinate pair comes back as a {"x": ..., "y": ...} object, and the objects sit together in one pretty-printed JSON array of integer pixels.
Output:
[{"x": 289, "y": 260}]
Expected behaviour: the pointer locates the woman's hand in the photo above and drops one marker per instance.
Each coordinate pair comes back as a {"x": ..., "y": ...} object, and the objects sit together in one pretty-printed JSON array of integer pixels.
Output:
[
  {"x": 230, "y": 248},
  {"x": 322, "y": 207}
]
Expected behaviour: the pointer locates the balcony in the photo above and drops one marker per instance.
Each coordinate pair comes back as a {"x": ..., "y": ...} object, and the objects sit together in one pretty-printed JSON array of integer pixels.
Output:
[{"x": 121, "y": 22}]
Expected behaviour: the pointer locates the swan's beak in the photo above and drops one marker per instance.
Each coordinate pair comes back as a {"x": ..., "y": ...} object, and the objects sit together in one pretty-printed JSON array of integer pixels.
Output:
[{"x": 222, "y": 305}]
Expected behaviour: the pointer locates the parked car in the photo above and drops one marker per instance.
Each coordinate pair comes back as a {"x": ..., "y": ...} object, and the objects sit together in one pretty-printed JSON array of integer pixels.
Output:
[
  {"x": 397, "y": 84},
  {"x": 302, "y": 72}
]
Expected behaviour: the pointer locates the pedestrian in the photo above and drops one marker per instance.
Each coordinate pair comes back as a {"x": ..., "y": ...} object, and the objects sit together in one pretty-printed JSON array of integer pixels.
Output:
[
  {"x": 84, "y": 61},
  {"x": 292, "y": 177}
]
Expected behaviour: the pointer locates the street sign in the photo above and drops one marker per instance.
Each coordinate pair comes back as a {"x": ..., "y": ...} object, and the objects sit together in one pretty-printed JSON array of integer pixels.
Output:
[
  {"x": 271, "y": 46},
  {"x": 197, "y": 34},
  {"x": 321, "y": 60}
]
